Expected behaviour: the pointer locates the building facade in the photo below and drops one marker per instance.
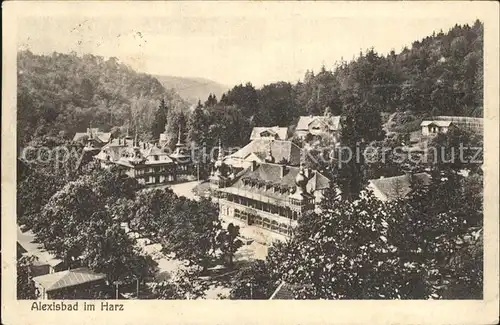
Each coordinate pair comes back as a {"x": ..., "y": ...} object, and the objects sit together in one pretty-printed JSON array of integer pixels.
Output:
[
  {"x": 326, "y": 125},
  {"x": 146, "y": 162},
  {"x": 441, "y": 124},
  {"x": 432, "y": 128},
  {"x": 273, "y": 133},
  {"x": 79, "y": 283},
  {"x": 93, "y": 137},
  {"x": 267, "y": 195},
  {"x": 284, "y": 151}
]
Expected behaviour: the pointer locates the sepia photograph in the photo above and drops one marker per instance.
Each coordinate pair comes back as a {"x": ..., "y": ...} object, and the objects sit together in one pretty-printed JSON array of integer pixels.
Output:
[{"x": 200, "y": 152}]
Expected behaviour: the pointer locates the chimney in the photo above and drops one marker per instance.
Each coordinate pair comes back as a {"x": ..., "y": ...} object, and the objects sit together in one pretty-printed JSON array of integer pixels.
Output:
[
  {"x": 254, "y": 165},
  {"x": 282, "y": 171},
  {"x": 144, "y": 145}
]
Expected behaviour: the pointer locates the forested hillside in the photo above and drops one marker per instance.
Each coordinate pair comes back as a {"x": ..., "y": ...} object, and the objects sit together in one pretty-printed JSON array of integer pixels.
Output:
[
  {"x": 439, "y": 75},
  {"x": 61, "y": 94}
]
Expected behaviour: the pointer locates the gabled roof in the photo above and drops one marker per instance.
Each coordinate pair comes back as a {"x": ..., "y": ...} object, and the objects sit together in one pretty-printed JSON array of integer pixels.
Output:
[
  {"x": 153, "y": 151},
  {"x": 304, "y": 121},
  {"x": 101, "y": 136},
  {"x": 396, "y": 187},
  {"x": 333, "y": 122},
  {"x": 271, "y": 174},
  {"x": 318, "y": 182},
  {"x": 117, "y": 147},
  {"x": 280, "y": 132},
  {"x": 257, "y": 156},
  {"x": 68, "y": 278},
  {"x": 281, "y": 149},
  {"x": 437, "y": 123}
]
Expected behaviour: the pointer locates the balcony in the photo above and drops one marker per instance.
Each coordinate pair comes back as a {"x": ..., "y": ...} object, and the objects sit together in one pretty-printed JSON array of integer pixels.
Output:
[{"x": 263, "y": 219}]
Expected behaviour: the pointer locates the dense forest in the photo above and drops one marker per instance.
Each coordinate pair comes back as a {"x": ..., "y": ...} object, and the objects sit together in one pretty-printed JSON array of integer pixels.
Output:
[
  {"x": 439, "y": 75},
  {"x": 61, "y": 94}
]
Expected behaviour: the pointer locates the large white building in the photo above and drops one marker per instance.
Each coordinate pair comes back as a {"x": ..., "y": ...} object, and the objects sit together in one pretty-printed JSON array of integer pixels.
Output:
[{"x": 266, "y": 194}]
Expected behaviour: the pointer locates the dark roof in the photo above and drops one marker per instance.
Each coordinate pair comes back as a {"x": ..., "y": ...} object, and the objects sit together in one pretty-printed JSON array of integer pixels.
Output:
[
  {"x": 398, "y": 186},
  {"x": 68, "y": 278},
  {"x": 117, "y": 147},
  {"x": 280, "y": 149},
  {"x": 20, "y": 250},
  {"x": 271, "y": 174},
  {"x": 96, "y": 134}
]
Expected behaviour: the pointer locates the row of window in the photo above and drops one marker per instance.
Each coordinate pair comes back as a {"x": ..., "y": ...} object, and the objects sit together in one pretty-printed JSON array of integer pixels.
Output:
[
  {"x": 270, "y": 208},
  {"x": 159, "y": 169},
  {"x": 275, "y": 188},
  {"x": 266, "y": 223}
]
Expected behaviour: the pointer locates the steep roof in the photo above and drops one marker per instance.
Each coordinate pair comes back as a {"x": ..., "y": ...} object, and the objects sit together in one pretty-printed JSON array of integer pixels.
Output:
[
  {"x": 333, "y": 122},
  {"x": 68, "y": 278},
  {"x": 271, "y": 174},
  {"x": 437, "y": 123},
  {"x": 398, "y": 186},
  {"x": 304, "y": 121},
  {"x": 101, "y": 136},
  {"x": 280, "y": 132},
  {"x": 117, "y": 147},
  {"x": 281, "y": 149}
]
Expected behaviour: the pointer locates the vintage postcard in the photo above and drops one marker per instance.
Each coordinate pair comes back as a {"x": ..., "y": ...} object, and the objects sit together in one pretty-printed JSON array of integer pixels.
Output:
[{"x": 250, "y": 162}]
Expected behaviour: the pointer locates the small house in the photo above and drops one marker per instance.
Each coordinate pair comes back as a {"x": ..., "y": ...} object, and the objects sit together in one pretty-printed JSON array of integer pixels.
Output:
[{"x": 78, "y": 283}]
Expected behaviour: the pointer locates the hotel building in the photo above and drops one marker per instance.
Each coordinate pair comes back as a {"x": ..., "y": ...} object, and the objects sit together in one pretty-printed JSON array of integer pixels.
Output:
[{"x": 266, "y": 194}]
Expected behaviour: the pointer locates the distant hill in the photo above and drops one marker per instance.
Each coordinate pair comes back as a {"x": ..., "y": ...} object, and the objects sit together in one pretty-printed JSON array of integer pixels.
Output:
[
  {"x": 192, "y": 89},
  {"x": 66, "y": 93}
]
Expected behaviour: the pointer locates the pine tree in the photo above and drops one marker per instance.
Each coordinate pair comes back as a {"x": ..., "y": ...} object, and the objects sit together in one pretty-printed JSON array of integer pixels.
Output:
[{"x": 160, "y": 120}]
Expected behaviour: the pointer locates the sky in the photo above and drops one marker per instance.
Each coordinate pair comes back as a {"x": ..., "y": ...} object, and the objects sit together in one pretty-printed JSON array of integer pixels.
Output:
[{"x": 228, "y": 44}]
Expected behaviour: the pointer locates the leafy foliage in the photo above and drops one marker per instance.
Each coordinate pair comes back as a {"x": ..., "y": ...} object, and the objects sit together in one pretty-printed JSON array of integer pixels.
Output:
[
  {"x": 77, "y": 226},
  {"x": 190, "y": 229},
  {"x": 428, "y": 245},
  {"x": 253, "y": 282},
  {"x": 229, "y": 242},
  {"x": 25, "y": 287}
]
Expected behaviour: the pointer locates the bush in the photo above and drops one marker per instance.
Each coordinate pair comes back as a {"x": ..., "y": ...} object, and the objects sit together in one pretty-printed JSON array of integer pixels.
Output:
[{"x": 408, "y": 127}]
